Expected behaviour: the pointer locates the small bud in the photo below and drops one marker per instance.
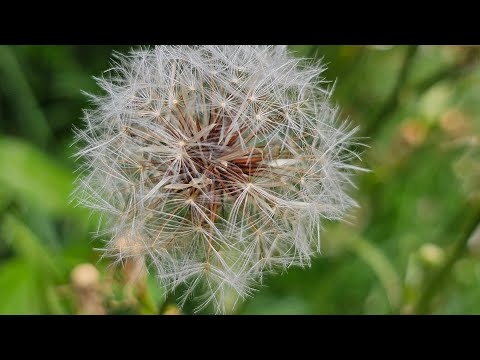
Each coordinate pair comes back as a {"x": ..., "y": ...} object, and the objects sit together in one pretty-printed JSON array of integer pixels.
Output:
[
  {"x": 414, "y": 133},
  {"x": 455, "y": 123},
  {"x": 172, "y": 310},
  {"x": 128, "y": 247},
  {"x": 85, "y": 276},
  {"x": 86, "y": 285},
  {"x": 432, "y": 254}
]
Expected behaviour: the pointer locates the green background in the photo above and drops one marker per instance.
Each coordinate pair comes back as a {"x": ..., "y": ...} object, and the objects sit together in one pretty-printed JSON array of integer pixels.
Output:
[{"x": 408, "y": 249}]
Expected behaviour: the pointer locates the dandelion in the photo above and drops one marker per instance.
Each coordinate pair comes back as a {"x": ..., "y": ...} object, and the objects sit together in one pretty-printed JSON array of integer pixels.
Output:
[{"x": 215, "y": 164}]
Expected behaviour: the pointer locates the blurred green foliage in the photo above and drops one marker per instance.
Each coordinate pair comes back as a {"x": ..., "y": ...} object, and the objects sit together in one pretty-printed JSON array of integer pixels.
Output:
[{"x": 408, "y": 249}]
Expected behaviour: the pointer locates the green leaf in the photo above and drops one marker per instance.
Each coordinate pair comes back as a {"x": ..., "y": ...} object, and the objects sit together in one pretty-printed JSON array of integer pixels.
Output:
[
  {"x": 31, "y": 119},
  {"x": 28, "y": 247},
  {"x": 20, "y": 293},
  {"x": 35, "y": 178}
]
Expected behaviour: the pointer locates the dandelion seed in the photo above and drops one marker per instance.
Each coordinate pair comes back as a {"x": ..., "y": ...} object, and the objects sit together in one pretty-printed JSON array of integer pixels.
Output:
[{"x": 214, "y": 163}]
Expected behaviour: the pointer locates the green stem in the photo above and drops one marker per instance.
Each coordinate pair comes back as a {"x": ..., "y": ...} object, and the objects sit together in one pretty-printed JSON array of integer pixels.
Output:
[
  {"x": 169, "y": 300},
  {"x": 145, "y": 298},
  {"x": 423, "y": 304},
  {"x": 393, "y": 101},
  {"x": 453, "y": 72},
  {"x": 387, "y": 274}
]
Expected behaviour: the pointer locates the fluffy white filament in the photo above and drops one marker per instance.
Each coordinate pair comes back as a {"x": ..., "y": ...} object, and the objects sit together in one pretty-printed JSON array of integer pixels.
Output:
[{"x": 214, "y": 163}]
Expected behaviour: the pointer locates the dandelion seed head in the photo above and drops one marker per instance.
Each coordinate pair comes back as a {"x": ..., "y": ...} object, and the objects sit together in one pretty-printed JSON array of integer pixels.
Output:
[{"x": 214, "y": 163}]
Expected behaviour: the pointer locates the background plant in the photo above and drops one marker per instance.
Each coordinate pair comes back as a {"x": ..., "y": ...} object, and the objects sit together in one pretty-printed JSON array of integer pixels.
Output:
[{"x": 409, "y": 248}]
